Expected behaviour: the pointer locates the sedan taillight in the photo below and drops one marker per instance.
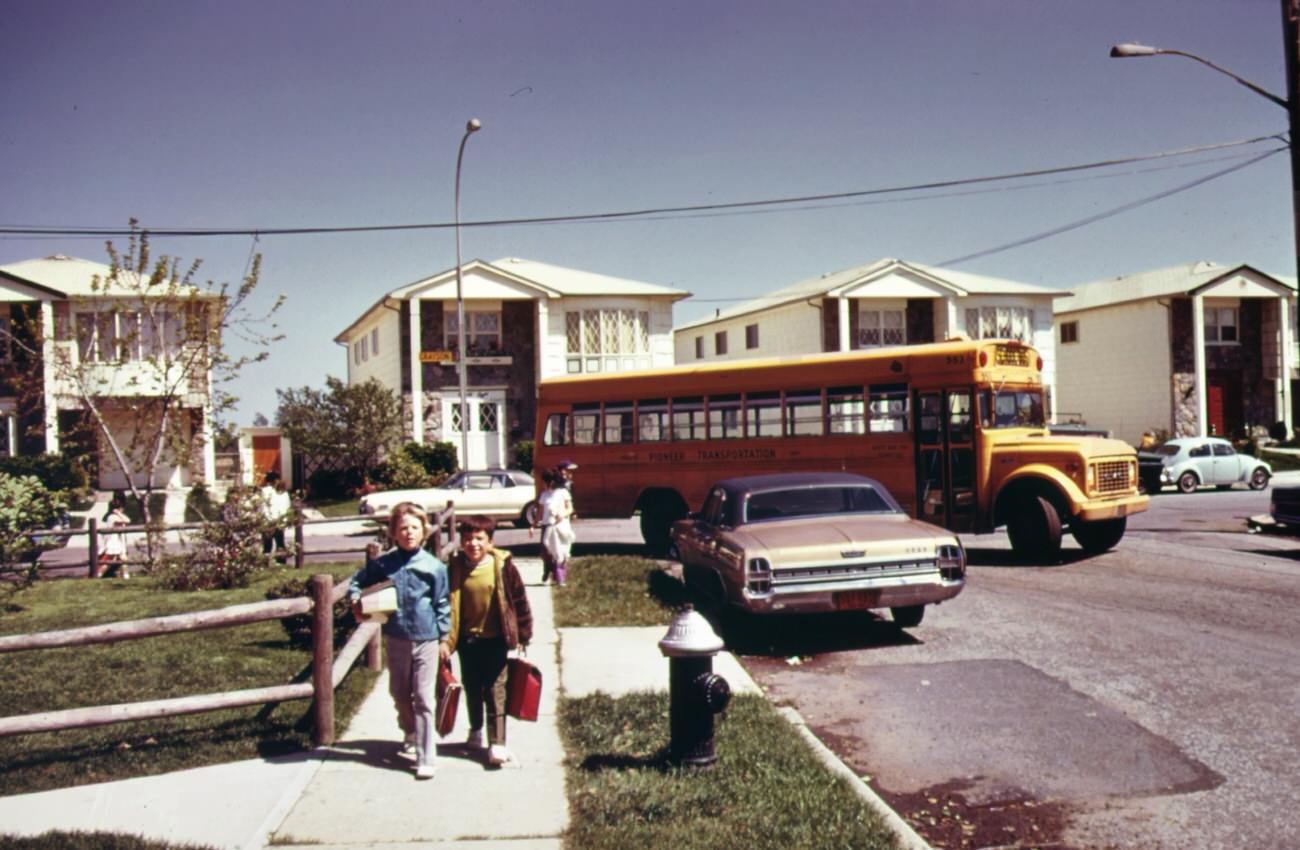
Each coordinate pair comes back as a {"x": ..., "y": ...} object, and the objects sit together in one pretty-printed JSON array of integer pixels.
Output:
[
  {"x": 952, "y": 562},
  {"x": 758, "y": 577}
]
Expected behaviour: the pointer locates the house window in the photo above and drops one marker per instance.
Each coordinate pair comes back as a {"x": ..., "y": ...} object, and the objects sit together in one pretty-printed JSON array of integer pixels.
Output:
[
  {"x": 1069, "y": 332},
  {"x": 484, "y": 338},
  {"x": 356, "y": 353},
  {"x": 1221, "y": 324},
  {"x": 365, "y": 351},
  {"x": 374, "y": 341},
  {"x": 1000, "y": 323},
  {"x": 877, "y": 327},
  {"x": 112, "y": 336},
  {"x": 720, "y": 342},
  {"x": 699, "y": 348},
  {"x": 598, "y": 340},
  {"x": 751, "y": 337}
]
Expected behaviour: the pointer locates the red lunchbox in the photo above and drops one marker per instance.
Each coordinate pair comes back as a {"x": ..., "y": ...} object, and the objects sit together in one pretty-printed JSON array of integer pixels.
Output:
[{"x": 523, "y": 689}]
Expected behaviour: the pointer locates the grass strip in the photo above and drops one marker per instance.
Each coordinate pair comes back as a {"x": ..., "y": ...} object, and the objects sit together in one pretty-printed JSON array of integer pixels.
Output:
[
  {"x": 61, "y": 840},
  {"x": 767, "y": 789},
  {"x": 201, "y": 662},
  {"x": 612, "y": 590}
]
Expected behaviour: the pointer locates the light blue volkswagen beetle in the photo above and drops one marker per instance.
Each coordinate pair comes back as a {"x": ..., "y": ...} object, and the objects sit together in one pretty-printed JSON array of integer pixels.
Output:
[{"x": 1191, "y": 462}]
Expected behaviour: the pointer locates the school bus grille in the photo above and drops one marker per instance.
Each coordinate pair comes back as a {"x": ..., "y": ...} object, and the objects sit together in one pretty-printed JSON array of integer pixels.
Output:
[
  {"x": 1005, "y": 355},
  {"x": 1113, "y": 476}
]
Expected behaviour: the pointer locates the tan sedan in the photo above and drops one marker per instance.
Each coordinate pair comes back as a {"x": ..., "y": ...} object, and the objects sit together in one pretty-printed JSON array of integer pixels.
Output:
[{"x": 816, "y": 541}]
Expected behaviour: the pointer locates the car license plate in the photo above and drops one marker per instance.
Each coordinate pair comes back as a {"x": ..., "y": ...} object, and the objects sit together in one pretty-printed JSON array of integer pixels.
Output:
[{"x": 856, "y": 600}]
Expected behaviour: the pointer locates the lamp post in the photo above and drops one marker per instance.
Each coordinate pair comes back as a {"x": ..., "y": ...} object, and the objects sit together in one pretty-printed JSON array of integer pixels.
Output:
[
  {"x": 471, "y": 127},
  {"x": 1291, "y": 103}
]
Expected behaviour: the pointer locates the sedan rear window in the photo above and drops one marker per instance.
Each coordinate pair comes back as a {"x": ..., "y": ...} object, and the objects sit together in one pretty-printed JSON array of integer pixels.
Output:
[
  {"x": 1169, "y": 450},
  {"x": 817, "y": 501}
]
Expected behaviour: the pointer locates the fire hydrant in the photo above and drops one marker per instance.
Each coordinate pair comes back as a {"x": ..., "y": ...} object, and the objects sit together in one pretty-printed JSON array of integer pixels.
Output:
[{"x": 695, "y": 692}]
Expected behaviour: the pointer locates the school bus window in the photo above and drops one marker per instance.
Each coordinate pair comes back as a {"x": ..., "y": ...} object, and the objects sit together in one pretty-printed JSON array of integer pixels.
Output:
[
  {"x": 557, "y": 430},
  {"x": 586, "y": 424},
  {"x": 763, "y": 415},
  {"x": 888, "y": 408},
  {"x": 1012, "y": 408},
  {"x": 724, "y": 417},
  {"x": 803, "y": 413},
  {"x": 688, "y": 418},
  {"x": 618, "y": 422},
  {"x": 652, "y": 420},
  {"x": 844, "y": 411},
  {"x": 959, "y": 418},
  {"x": 931, "y": 419}
]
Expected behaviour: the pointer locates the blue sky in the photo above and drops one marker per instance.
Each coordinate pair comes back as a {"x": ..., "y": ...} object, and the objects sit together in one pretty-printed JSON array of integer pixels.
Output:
[{"x": 286, "y": 114}]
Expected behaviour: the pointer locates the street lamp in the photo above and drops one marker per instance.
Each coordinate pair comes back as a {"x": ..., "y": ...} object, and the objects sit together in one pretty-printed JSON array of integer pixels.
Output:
[
  {"x": 472, "y": 127},
  {"x": 1291, "y": 103}
]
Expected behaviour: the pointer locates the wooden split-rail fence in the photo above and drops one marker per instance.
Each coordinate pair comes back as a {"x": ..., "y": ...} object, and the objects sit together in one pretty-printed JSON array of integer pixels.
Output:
[{"x": 327, "y": 669}]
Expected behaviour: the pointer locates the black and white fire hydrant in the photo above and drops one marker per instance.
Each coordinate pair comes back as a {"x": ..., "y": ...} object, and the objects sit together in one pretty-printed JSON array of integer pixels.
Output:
[{"x": 695, "y": 692}]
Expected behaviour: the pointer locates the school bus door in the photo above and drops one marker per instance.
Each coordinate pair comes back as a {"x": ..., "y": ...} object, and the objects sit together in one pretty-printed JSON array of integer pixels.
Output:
[{"x": 945, "y": 457}]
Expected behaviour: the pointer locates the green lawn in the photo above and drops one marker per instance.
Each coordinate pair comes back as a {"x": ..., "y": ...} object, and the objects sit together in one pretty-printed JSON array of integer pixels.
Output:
[
  {"x": 767, "y": 789},
  {"x": 201, "y": 662},
  {"x": 610, "y": 590},
  {"x": 335, "y": 507}
]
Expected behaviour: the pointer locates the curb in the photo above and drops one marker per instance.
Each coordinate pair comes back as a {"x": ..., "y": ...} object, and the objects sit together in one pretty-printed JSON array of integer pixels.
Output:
[{"x": 907, "y": 837}]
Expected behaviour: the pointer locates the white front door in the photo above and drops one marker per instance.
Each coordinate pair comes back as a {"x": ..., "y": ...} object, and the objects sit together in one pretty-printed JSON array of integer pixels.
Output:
[{"x": 486, "y": 439}]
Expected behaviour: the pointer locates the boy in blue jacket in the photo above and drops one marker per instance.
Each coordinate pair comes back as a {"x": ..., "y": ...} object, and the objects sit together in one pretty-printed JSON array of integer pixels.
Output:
[{"x": 415, "y": 632}]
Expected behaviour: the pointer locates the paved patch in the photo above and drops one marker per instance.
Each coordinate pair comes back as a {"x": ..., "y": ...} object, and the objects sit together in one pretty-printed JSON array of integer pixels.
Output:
[{"x": 1007, "y": 732}]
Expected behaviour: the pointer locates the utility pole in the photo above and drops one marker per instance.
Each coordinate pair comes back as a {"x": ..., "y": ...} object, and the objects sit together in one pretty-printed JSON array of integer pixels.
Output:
[{"x": 1291, "y": 45}]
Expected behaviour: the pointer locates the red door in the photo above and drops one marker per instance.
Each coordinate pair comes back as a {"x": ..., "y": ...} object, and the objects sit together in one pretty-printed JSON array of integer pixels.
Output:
[
  {"x": 1223, "y": 403},
  {"x": 266, "y": 455}
]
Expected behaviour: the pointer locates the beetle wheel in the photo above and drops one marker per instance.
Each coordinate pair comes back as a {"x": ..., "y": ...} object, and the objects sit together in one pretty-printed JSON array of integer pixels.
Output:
[
  {"x": 1259, "y": 479},
  {"x": 1188, "y": 482}
]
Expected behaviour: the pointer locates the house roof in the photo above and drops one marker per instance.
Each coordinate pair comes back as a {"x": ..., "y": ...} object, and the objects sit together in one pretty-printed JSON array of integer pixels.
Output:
[
  {"x": 64, "y": 276},
  {"x": 832, "y": 283},
  {"x": 1157, "y": 283},
  {"x": 552, "y": 281}
]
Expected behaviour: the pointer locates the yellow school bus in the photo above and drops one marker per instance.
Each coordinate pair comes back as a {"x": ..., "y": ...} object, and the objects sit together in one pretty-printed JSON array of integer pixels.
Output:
[{"x": 955, "y": 430}]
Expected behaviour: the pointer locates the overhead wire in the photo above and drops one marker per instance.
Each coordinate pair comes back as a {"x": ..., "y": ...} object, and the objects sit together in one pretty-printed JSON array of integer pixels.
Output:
[{"x": 43, "y": 230}]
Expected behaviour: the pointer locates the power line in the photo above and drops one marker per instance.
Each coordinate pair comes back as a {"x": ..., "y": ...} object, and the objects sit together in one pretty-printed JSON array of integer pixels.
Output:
[{"x": 41, "y": 230}]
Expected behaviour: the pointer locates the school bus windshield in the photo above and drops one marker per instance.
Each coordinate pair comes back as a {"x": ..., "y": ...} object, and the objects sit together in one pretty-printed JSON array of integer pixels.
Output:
[{"x": 1012, "y": 407}]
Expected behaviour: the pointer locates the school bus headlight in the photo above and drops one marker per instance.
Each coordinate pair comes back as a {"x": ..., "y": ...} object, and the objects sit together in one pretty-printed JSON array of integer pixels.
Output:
[{"x": 1091, "y": 481}]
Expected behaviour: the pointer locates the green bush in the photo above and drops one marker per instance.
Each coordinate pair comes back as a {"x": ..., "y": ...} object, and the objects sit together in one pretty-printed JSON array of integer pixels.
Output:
[
  {"x": 334, "y": 483},
  {"x": 298, "y": 627},
  {"x": 438, "y": 458},
  {"x": 226, "y": 551},
  {"x": 199, "y": 506},
  {"x": 56, "y": 472},
  {"x": 25, "y": 505},
  {"x": 523, "y": 455},
  {"x": 402, "y": 472}
]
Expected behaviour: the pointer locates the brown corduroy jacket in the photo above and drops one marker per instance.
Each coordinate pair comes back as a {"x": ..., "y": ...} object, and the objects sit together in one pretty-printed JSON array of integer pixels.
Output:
[{"x": 510, "y": 598}]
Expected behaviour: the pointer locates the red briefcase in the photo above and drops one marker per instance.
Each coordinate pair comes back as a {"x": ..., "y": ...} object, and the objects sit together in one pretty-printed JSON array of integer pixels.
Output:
[
  {"x": 448, "y": 699},
  {"x": 523, "y": 689}
]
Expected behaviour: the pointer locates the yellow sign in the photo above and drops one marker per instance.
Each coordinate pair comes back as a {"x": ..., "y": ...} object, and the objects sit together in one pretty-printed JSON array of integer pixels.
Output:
[{"x": 437, "y": 356}]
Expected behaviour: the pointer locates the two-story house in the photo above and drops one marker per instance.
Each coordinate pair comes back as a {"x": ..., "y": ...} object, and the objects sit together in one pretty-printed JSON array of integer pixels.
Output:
[
  {"x": 1193, "y": 349},
  {"x": 524, "y": 321},
  {"x": 69, "y": 341},
  {"x": 888, "y": 302}
]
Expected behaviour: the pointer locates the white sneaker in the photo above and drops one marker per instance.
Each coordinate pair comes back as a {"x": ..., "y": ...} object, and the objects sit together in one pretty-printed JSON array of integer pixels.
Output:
[
  {"x": 498, "y": 755},
  {"x": 408, "y": 746},
  {"x": 424, "y": 771},
  {"x": 474, "y": 740}
]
